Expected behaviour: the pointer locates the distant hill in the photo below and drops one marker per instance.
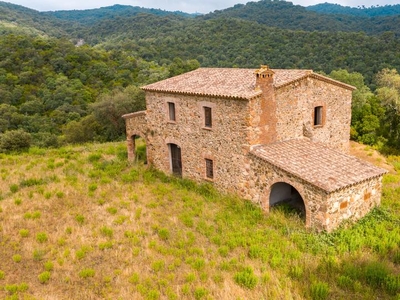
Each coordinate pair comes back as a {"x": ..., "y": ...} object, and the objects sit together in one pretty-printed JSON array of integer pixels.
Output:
[
  {"x": 373, "y": 11},
  {"x": 21, "y": 19},
  {"x": 285, "y": 15},
  {"x": 91, "y": 16}
]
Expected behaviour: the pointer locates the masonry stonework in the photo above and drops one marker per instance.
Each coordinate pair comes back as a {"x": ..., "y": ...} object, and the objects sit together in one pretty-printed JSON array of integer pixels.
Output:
[{"x": 260, "y": 131}]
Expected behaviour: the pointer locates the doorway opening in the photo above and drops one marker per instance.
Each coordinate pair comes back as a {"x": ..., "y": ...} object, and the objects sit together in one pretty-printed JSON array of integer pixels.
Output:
[
  {"x": 139, "y": 152},
  {"x": 286, "y": 197},
  {"x": 175, "y": 159}
]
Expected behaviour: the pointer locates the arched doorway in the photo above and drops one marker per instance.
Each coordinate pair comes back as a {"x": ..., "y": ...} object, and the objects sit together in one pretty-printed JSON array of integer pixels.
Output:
[
  {"x": 284, "y": 194},
  {"x": 137, "y": 149},
  {"x": 175, "y": 159}
]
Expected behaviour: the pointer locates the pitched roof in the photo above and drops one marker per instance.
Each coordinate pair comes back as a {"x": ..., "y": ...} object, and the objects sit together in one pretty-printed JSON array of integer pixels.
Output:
[
  {"x": 229, "y": 82},
  {"x": 317, "y": 164}
]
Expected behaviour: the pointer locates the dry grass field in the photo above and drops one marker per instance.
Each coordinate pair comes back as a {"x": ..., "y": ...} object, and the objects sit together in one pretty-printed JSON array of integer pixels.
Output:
[{"x": 82, "y": 223}]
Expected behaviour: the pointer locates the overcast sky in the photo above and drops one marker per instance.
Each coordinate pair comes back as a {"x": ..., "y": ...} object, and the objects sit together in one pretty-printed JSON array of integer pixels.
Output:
[{"x": 190, "y": 6}]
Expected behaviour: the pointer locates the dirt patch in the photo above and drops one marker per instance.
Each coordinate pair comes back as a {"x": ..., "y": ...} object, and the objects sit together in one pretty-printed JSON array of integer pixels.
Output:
[{"x": 369, "y": 154}]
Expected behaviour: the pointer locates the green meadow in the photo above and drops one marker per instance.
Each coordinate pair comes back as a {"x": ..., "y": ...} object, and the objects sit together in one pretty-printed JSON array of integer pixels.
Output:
[{"x": 81, "y": 222}]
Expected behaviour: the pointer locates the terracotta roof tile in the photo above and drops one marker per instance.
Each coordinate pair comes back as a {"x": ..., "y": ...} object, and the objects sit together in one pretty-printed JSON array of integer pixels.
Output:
[
  {"x": 317, "y": 164},
  {"x": 225, "y": 82}
]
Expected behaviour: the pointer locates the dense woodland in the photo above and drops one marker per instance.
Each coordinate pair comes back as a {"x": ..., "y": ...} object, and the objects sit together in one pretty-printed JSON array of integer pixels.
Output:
[{"x": 67, "y": 77}]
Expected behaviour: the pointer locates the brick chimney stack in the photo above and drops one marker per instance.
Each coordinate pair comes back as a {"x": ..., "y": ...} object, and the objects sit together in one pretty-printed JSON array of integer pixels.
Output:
[{"x": 267, "y": 107}]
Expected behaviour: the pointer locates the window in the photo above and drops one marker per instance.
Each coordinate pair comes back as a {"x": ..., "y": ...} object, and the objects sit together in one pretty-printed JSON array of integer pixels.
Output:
[
  {"x": 209, "y": 169},
  {"x": 207, "y": 117},
  {"x": 318, "y": 116},
  {"x": 171, "y": 111}
]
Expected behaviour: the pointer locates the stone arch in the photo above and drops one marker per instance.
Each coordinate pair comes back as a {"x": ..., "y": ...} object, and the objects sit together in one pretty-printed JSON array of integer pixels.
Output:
[
  {"x": 283, "y": 192},
  {"x": 133, "y": 155}
]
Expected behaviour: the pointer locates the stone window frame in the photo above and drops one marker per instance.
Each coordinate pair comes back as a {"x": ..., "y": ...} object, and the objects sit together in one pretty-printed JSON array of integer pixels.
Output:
[
  {"x": 209, "y": 169},
  {"x": 320, "y": 122},
  {"x": 168, "y": 103},
  {"x": 208, "y": 157},
  {"x": 202, "y": 107},
  {"x": 167, "y": 142}
]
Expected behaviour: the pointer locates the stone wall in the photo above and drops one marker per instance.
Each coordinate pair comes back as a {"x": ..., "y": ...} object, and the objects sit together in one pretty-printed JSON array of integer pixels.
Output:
[
  {"x": 136, "y": 125},
  {"x": 353, "y": 202},
  {"x": 324, "y": 211},
  {"x": 224, "y": 143},
  {"x": 295, "y": 112}
]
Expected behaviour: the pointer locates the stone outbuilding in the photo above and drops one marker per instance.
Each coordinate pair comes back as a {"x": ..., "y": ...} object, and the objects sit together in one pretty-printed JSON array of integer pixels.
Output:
[{"x": 269, "y": 135}]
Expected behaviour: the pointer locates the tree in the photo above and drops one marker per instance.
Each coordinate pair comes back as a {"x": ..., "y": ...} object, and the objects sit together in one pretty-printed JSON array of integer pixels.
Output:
[
  {"x": 85, "y": 130},
  {"x": 14, "y": 140},
  {"x": 366, "y": 110},
  {"x": 112, "y": 106},
  {"x": 388, "y": 92}
]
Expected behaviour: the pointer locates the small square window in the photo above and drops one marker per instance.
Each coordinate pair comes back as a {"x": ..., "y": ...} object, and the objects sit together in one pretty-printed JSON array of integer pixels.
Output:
[
  {"x": 318, "y": 115},
  {"x": 171, "y": 111},
  {"x": 209, "y": 169},
  {"x": 207, "y": 117}
]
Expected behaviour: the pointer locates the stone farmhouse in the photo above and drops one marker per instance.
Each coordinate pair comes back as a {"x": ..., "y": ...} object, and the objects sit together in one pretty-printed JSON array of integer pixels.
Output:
[{"x": 269, "y": 135}]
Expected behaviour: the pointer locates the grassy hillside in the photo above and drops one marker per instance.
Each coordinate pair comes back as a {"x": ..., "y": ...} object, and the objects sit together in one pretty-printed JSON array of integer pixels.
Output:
[{"x": 82, "y": 223}]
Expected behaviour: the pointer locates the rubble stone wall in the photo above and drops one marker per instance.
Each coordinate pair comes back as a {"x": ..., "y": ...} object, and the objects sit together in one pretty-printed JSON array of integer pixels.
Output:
[
  {"x": 295, "y": 112},
  {"x": 136, "y": 125},
  {"x": 224, "y": 142}
]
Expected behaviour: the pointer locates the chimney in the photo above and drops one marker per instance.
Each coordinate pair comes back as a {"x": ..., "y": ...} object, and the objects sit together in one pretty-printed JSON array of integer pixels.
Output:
[
  {"x": 264, "y": 78},
  {"x": 266, "y": 120}
]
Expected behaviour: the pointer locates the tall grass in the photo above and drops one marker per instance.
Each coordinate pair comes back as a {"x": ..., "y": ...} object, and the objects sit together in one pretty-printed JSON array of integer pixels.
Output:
[{"x": 88, "y": 224}]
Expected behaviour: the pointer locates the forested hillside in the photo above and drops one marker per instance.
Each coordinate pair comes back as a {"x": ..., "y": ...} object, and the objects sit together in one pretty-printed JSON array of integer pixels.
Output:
[
  {"x": 329, "y": 8},
  {"x": 52, "y": 88},
  {"x": 91, "y": 16},
  {"x": 18, "y": 18},
  {"x": 285, "y": 15}
]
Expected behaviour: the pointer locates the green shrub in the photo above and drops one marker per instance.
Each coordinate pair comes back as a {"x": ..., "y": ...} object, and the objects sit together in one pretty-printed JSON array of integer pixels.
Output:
[
  {"x": 2, "y": 275},
  {"x": 134, "y": 279},
  {"x": 392, "y": 284},
  {"x": 80, "y": 219},
  {"x": 15, "y": 140},
  {"x": 86, "y": 273},
  {"x": 41, "y": 237},
  {"x": 376, "y": 273},
  {"x": 24, "y": 232},
  {"x": 200, "y": 293},
  {"x": 17, "y": 258},
  {"x": 48, "y": 266},
  {"x": 163, "y": 233},
  {"x": 319, "y": 290},
  {"x": 106, "y": 245},
  {"x": 45, "y": 140},
  {"x": 246, "y": 278},
  {"x": 106, "y": 231},
  {"x": 14, "y": 188},
  {"x": 44, "y": 277}
]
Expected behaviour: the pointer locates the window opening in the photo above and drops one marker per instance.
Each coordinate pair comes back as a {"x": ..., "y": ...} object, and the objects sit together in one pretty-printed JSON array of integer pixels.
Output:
[
  {"x": 171, "y": 111},
  {"x": 176, "y": 159},
  {"x": 209, "y": 169},
  {"x": 317, "y": 115},
  {"x": 207, "y": 117}
]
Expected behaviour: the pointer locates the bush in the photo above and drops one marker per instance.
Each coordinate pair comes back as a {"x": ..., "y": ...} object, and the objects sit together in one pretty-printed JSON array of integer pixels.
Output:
[
  {"x": 44, "y": 277},
  {"x": 15, "y": 140},
  {"x": 246, "y": 278},
  {"x": 45, "y": 140},
  {"x": 319, "y": 291}
]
